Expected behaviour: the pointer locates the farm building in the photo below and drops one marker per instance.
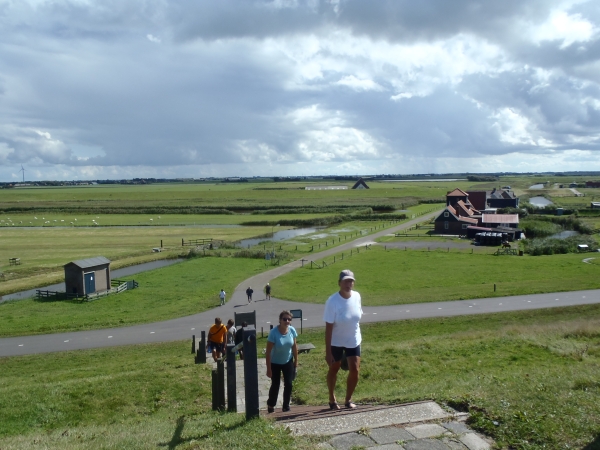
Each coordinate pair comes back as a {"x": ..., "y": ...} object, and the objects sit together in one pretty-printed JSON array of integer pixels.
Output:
[
  {"x": 500, "y": 198},
  {"x": 451, "y": 222},
  {"x": 360, "y": 184},
  {"x": 595, "y": 205},
  {"x": 592, "y": 184},
  {"x": 87, "y": 276}
]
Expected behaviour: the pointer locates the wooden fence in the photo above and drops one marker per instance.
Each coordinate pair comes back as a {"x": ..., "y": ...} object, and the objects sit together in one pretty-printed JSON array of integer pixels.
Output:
[
  {"x": 196, "y": 242},
  {"x": 118, "y": 286}
]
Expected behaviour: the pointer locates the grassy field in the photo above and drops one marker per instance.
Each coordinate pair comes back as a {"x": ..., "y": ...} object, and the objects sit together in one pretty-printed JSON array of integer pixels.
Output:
[
  {"x": 44, "y": 251},
  {"x": 245, "y": 196},
  {"x": 414, "y": 276},
  {"x": 528, "y": 379},
  {"x": 70, "y": 220},
  {"x": 180, "y": 290}
]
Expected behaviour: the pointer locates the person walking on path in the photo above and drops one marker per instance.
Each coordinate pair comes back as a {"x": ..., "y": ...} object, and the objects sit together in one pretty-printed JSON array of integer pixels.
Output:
[
  {"x": 282, "y": 358},
  {"x": 222, "y": 295},
  {"x": 343, "y": 311},
  {"x": 216, "y": 338},
  {"x": 230, "y": 332},
  {"x": 268, "y": 291},
  {"x": 249, "y": 292}
]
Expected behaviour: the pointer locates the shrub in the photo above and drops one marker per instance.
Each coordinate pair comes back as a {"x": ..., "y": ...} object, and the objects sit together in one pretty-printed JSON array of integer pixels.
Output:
[{"x": 552, "y": 246}]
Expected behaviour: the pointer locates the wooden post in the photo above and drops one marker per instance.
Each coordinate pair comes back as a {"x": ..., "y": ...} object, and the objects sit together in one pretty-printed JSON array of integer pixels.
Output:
[
  {"x": 250, "y": 373},
  {"x": 231, "y": 388},
  {"x": 193, "y": 343}
]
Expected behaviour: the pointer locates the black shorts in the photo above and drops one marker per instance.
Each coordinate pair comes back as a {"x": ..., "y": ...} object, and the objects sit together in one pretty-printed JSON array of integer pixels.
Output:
[{"x": 338, "y": 352}]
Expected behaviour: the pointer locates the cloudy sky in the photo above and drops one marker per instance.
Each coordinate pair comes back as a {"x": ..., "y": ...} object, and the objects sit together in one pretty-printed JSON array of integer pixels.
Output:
[{"x": 193, "y": 88}]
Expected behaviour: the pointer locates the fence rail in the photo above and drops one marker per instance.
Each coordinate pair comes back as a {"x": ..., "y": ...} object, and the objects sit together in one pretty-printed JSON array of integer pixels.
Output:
[
  {"x": 196, "y": 242},
  {"x": 118, "y": 286}
]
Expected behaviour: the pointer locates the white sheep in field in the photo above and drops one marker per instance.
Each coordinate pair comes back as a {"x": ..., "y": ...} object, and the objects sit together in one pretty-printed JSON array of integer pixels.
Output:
[{"x": 151, "y": 220}]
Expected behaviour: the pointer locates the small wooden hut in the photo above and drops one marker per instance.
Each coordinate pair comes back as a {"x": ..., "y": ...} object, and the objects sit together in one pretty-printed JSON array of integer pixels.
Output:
[{"x": 87, "y": 276}]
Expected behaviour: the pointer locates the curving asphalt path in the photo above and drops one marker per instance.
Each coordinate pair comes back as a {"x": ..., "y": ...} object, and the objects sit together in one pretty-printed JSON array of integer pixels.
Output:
[{"x": 267, "y": 311}]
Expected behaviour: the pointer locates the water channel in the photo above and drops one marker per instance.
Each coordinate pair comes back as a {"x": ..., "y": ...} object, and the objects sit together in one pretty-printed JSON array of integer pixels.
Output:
[
  {"x": 277, "y": 236},
  {"x": 539, "y": 202},
  {"x": 114, "y": 274}
]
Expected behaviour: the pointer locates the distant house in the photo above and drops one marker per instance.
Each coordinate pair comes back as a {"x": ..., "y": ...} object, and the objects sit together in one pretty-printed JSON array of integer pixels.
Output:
[
  {"x": 87, "y": 276},
  {"x": 360, "y": 184},
  {"x": 595, "y": 205},
  {"x": 455, "y": 196},
  {"x": 592, "y": 184},
  {"x": 478, "y": 199},
  {"x": 466, "y": 213},
  {"x": 451, "y": 222},
  {"x": 500, "y": 198}
]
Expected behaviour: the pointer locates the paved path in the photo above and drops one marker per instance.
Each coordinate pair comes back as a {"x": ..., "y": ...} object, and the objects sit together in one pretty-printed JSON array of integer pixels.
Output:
[{"x": 267, "y": 311}]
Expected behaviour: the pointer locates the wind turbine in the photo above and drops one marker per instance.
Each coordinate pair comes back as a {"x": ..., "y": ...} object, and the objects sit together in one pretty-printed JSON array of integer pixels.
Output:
[{"x": 23, "y": 170}]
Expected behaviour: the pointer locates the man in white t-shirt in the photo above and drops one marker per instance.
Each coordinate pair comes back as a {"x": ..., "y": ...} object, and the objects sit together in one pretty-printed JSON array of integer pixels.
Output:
[{"x": 342, "y": 315}]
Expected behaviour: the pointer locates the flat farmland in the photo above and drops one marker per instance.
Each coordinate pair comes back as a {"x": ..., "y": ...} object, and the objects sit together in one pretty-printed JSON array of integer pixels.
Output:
[
  {"x": 244, "y": 196},
  {"x": 43, "y": 251},
  {"x": 70, "y": 220}
]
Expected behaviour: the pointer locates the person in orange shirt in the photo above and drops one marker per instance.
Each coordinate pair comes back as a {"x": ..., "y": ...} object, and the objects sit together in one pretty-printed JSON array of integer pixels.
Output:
[{"x": 216, "y": 338}]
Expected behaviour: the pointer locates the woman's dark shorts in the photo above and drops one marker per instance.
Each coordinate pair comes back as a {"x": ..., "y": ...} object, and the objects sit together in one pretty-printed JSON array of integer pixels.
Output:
[{"x": 338, "y": 352}]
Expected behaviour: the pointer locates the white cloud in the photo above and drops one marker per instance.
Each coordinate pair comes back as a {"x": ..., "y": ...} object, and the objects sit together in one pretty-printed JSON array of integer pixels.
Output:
[
  {"x": 154, "y": 39},
  {"x": 568, "y": 28},
  {"x": 359, "y": 84}
]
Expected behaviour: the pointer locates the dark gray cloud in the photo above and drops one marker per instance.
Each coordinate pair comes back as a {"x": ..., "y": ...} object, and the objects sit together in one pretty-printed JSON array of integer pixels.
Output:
[{"x": 195, "y": 87}]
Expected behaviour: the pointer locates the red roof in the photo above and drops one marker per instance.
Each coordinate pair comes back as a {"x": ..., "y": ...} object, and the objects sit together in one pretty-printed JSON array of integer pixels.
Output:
[{"x": 457, "y": 193}]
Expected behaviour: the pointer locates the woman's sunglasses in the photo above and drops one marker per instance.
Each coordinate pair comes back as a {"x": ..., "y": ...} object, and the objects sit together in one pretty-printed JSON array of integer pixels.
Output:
[{"x": 287, "y": 319}]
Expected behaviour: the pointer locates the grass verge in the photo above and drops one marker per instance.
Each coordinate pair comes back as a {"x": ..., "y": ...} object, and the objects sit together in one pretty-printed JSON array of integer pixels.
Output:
[
  {"x": 529, "y": 379},
  {"x": 417, "y": 276}
]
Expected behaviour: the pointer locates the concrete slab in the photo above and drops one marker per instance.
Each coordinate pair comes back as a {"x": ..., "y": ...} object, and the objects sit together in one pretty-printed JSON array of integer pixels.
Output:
[
  {"x": 390, "y": 435},
  {"x": 426, "y": 444},
  {"x": 456, "y": 427},
  {"x": 351, "y": 440},
  {"x": 338, "y": 424},
  {"x": 426, "y": 430},
  {"x": 454, "y": 444},
  {"x": 474, "y": 442},
  {"x": 386, "y": 447}
]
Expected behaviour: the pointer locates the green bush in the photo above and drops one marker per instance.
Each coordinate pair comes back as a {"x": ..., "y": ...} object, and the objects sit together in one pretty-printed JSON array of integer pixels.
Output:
[
  {"x": 535, "y": 228},
  {"x": 552, "y": 246}
]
